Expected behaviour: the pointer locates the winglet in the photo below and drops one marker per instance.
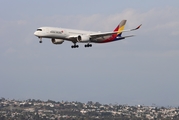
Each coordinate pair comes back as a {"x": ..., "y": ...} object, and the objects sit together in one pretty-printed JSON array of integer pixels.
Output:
[{"x": 136, "y": 27}]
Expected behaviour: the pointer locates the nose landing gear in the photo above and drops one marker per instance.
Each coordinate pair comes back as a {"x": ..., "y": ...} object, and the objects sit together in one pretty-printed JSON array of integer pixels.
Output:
[{"x": 40, "y": 40}]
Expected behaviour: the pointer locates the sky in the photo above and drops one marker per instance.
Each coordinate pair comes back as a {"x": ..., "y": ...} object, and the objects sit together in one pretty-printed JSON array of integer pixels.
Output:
[{"x": 140, "y": 70}]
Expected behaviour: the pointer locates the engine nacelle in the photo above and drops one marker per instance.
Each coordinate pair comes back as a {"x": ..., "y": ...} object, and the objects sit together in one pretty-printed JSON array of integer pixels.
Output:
[
  {"x": 83, "y": 38},
  {"x": 57, "y": 41}
]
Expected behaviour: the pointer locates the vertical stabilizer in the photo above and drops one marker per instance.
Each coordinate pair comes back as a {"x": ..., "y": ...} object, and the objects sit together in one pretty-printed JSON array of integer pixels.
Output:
[{"x": 120, "y": 27}]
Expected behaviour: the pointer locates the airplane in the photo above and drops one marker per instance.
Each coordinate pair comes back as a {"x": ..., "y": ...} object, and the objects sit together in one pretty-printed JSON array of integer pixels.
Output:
[{"x": 59, "y": 35}]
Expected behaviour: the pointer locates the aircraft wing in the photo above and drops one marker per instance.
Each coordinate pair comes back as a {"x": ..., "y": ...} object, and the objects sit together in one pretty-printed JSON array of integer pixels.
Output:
[
  {"x": 132, "y": 29},
  {"x": 95, "y": 35}
]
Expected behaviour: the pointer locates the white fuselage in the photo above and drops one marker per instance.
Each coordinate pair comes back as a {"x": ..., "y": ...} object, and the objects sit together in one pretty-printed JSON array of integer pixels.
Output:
[{"x": 66, "y": 34}]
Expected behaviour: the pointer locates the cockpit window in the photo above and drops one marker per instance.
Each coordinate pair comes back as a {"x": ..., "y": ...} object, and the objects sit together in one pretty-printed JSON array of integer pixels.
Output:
[{"x": 39, "y": 29}]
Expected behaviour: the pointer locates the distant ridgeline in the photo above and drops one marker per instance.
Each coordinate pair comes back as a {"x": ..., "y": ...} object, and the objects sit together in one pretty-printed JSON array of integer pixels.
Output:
[{"x": 38, "y": 109}]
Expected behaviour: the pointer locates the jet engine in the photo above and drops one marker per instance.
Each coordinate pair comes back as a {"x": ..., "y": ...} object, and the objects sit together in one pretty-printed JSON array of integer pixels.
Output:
[
  {"x": 83, "y": 38},
  {"x": 57, "y": 41}
]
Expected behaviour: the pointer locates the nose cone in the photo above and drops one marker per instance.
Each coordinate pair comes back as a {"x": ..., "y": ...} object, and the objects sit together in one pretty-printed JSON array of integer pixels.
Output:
[{"x": 35, "y": 33}]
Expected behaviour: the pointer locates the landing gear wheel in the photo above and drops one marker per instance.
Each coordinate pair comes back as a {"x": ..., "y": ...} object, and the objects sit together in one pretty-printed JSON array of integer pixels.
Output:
[
  {"x": 88, "y": 45},
  {"x": 40, "y": 40},
  {"x": 74, "y": 46}
]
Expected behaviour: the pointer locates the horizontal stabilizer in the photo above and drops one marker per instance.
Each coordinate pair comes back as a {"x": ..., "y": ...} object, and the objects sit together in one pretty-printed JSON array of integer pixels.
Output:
[
  {"x": 123, "y": 37},
  {"x": 129, "y": 36}
]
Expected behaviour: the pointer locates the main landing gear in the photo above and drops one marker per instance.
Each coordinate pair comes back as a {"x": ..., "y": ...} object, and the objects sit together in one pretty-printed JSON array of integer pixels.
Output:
[
  {"x": 74, "y": 46},
  {"x": 88, "y": 45}
]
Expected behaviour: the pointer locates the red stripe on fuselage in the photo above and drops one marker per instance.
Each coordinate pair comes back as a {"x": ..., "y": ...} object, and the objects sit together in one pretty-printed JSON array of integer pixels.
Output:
[
  {"x": 113, "y": 37},
  {"x": 110, "y": 39}
]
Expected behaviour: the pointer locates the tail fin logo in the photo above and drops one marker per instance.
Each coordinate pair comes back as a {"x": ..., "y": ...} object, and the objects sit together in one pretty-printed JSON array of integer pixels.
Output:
[{"x": 121, "y": 27}]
